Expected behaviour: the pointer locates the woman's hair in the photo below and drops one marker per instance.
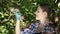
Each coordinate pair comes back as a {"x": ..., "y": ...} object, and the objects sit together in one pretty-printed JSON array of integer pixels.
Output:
[
  {"x": 46, "y": 8},
  {"x": 50, "y": 12}
]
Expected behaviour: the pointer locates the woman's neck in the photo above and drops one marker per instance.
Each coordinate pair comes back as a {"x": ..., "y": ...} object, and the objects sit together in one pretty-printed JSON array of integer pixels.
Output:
[{"x": 44, "y": 21}]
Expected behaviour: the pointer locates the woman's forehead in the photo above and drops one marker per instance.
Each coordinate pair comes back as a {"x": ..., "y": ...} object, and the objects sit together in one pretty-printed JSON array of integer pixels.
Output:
[{"x": 39, "y": 9}]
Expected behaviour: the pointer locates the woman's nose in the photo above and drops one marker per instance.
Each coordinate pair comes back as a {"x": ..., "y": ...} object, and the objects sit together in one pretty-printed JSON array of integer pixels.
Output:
[{"x": 35, "y": 13}]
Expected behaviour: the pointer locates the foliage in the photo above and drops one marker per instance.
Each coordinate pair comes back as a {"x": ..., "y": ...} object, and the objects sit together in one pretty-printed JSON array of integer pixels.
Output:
[{"x": 27, "y": 8}]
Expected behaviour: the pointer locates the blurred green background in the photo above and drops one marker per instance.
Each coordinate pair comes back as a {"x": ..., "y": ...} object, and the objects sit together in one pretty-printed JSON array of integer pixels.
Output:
[{"x": 27, "y": 8}]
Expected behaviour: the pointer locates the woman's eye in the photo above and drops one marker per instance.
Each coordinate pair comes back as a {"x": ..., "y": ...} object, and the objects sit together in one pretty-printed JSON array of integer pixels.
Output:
[{"x": 38, "y": 11}]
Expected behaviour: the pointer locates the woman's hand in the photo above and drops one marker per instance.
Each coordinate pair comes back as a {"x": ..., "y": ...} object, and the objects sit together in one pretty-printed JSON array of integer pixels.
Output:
[
  {"x": 18, "y": 19},
  {"x": 17, "y": 13}
]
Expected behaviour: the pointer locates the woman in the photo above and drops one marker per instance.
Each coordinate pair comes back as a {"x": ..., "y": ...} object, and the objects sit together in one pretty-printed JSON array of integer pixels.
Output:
[{"x": 42, "y": 13}]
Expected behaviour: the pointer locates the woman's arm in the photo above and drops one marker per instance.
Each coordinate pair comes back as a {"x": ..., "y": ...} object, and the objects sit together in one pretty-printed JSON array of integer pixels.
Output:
[
  {"x": 18, "y": 19},
  {"x": 17, "y": 28}
]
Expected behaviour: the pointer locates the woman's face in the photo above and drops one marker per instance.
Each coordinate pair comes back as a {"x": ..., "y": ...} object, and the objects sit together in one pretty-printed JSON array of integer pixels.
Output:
[{"x": 40, "y": 14}]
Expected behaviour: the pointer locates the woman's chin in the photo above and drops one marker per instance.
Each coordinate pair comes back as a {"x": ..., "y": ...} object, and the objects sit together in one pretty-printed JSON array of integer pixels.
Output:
[{"x": 37, "y": 18}]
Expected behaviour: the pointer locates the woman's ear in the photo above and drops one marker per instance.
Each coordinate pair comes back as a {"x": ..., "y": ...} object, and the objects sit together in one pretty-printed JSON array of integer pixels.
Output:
[{"x": 45, "y": 14}]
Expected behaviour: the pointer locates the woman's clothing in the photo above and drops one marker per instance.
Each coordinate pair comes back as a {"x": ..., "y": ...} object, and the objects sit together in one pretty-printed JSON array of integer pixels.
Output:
[{"x": 47, "y": 29}]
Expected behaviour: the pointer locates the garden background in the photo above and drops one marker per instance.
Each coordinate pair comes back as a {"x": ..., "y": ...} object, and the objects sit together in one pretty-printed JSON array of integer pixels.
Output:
[{"x": 27, "y": 8}]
